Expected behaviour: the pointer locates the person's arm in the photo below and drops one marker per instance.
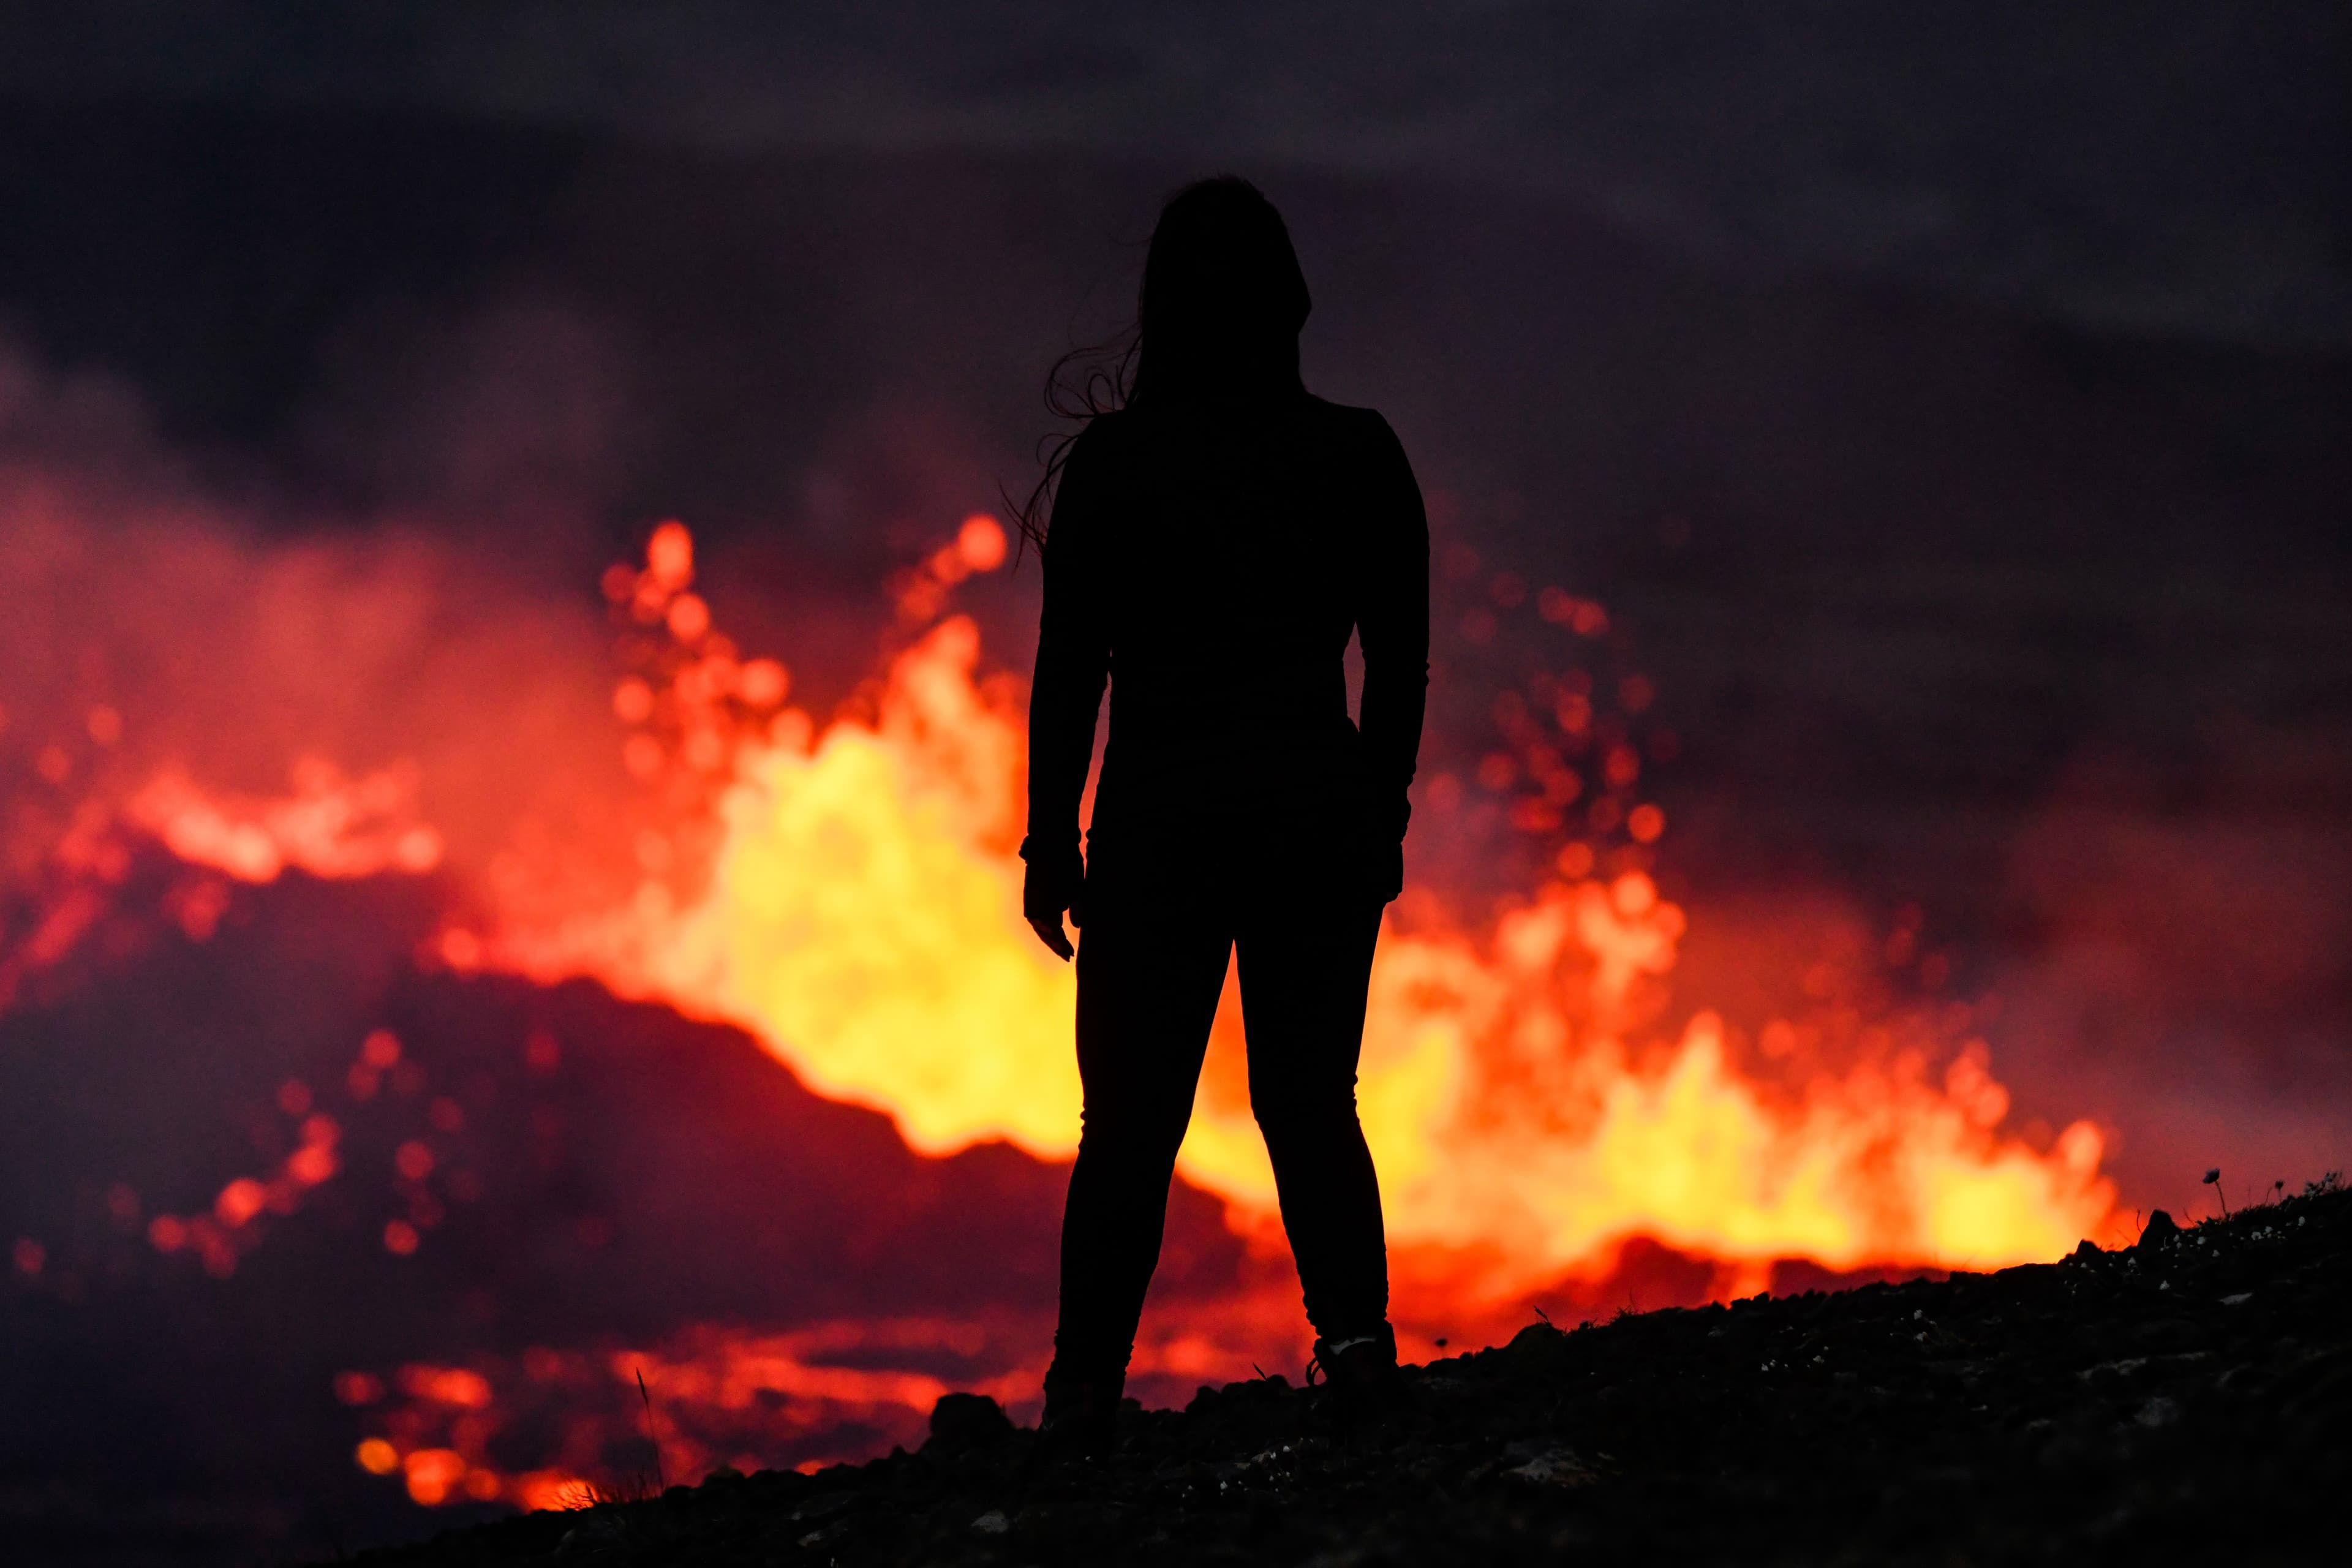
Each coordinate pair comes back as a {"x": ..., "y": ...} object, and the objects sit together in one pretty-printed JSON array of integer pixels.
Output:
[
  {"x": 1065, "y": 696},
  {"x": 1392, "y": 625}
]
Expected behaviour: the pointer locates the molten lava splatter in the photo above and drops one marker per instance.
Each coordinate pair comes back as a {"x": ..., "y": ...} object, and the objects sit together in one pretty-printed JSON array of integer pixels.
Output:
[
  {"x": 717, "y": 1395},
  {"x": 329, "y": 826},
  {"x": 848, "y": 891},
  {"x": 859, "y": 911}
]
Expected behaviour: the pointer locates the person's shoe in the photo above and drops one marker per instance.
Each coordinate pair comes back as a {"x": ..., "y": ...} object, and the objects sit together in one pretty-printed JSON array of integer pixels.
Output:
[
  {"x": 1081, "y": 1419},
  {"x": 1360, "y": 1376}
]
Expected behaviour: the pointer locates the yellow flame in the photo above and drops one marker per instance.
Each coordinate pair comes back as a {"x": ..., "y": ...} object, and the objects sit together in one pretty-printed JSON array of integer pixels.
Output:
[{"x": 862, "y": 918}]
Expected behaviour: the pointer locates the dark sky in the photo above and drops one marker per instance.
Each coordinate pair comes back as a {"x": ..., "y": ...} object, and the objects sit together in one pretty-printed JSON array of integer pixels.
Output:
[{"x": 2172, "y": 168}]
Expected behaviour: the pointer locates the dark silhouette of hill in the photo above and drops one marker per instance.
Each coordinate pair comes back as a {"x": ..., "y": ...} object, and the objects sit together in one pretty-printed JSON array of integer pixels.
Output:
[
  {"x": 654, "y": 1173},
  {"x": 2181, "y": 1400},
  {"x": 614, "y": 1176}
]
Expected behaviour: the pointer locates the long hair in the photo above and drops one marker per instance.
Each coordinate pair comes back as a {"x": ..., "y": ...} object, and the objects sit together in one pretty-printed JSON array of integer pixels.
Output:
[{"x": 1218, "y": 315}]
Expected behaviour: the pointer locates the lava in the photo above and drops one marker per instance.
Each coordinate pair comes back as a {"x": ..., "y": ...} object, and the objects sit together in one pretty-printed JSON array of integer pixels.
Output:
[
  {"x": 1548, "y": 1119},
  {"x": 860, "y": 913}
]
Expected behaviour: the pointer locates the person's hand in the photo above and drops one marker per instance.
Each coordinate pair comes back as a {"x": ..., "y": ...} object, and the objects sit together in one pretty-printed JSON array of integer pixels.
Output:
[
  {"x": 1049, "y": 931},
  {"x": 1052, "y": 886}
]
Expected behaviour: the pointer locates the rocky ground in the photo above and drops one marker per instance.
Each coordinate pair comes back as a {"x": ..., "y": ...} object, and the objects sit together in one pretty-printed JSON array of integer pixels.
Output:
[{"x": 2186, "y": 1398}]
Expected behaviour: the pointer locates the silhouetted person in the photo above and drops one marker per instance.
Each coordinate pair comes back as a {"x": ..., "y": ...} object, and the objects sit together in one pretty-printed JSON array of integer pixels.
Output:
[{"x": 1217, "y": 534}]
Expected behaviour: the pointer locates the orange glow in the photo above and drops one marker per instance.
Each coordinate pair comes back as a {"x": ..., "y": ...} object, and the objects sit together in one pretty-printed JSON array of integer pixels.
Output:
[
  {"x": 330, "y": 826},
  {"x": 1535, "y": 1095},
  {"x": 239, "y": 1201},
  {"x": 764, "y": 683},
  {"x": 688, "y": 618},
  {"x": 540, "y": 1490},
  {"x": 234, "y": 1224},
  {"x": 980, "y": 545},
  {"x": 980, "y": 542},
  {"x": 433, "y": 1474},
  {"x": 358, "y": 1388},
  {"x": 633, "y": 701},
  {"x": 860, "y": 914},
  {"x": 711, "y": 1382},
  {"x": 669, "y": 556},
  {"x": 454, "y": 1385}
]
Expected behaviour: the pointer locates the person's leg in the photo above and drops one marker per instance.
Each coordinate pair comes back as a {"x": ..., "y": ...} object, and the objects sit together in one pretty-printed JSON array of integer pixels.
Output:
[
  {"x": 1303, "y": 974},
  {"x": 1151, "y": 959}
]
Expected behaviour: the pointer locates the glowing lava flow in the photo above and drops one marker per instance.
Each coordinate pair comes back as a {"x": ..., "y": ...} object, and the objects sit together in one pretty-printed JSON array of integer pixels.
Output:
[
  {"x": 861, "y": 915},
  {"x": 849, "y": 894},
  {"x": 330, "y": 826}
]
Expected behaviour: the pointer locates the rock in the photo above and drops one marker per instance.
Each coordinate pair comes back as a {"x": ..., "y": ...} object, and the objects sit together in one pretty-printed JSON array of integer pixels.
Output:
[
  {"x": 593, "y": 1534},
  {"x": 1550, "y": 1467},
  {"x": 2159, "y": 1231},
  {"x": 961, "y": 1422}
]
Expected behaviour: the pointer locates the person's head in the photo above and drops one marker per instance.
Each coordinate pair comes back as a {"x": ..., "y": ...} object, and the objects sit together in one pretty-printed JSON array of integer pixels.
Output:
[
  {"x": 1222, "y": 297},
  {"x": 1217, "y": 320}
]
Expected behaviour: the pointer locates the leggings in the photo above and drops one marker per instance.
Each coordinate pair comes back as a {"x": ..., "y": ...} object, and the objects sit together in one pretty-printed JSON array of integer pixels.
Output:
[{"x": 1160, "y": 924}]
